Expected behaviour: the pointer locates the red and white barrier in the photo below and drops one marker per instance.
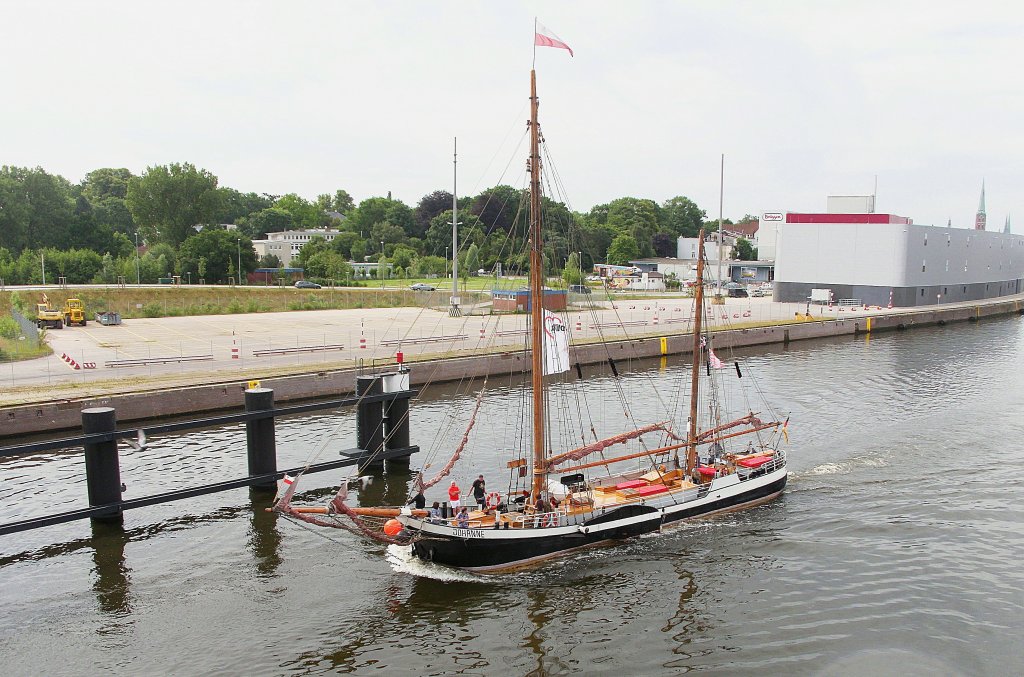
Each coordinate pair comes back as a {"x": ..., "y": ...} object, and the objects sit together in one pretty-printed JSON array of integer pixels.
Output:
[{"x": 70, "y": 361}]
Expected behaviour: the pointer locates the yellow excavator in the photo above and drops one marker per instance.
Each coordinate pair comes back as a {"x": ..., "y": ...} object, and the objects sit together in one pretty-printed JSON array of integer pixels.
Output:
[{"x": 47, "y": 316}]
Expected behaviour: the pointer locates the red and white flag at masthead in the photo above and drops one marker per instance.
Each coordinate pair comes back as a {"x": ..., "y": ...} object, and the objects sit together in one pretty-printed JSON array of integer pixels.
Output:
[{"x": 544, "y": 37}]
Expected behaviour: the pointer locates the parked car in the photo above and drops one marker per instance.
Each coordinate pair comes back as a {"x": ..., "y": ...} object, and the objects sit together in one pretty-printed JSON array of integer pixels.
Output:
[
  {"x": 420, "y": 286},
  {"x": 760, "y": 291},
  {"x": 306, "y": 284},
  {"x": 579, "y": 288}
]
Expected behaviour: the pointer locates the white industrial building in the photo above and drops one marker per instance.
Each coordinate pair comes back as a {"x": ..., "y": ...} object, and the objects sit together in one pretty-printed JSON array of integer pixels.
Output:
[
  {"x": 687, "y": 247},
  {"x": 287, "y": 244},
  {"x": 873, "y": 258}
]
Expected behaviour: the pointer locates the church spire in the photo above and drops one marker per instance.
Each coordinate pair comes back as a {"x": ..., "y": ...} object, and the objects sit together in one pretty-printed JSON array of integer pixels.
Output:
[{"x": 979, "y": 219}]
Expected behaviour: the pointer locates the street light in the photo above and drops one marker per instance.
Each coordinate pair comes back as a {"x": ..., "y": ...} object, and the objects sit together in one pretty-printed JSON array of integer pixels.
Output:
[
  {"x": 239, "y": 241},
  {"x": 138, "y": 277},
  {"x": 380, "y": 268},
  {"x": 446, "y": 263}
]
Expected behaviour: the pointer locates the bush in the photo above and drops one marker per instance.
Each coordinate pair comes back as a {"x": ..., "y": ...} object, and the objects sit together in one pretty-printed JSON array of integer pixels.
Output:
[{"x": 9, "y": 329}]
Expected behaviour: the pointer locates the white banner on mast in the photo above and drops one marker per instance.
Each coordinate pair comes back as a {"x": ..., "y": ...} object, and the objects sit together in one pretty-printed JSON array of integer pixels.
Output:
[{"x": 556, "y": 344}]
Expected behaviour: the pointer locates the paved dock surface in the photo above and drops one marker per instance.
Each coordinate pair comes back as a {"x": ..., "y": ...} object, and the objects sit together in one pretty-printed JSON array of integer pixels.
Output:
[{"x": 174, "y": 351}]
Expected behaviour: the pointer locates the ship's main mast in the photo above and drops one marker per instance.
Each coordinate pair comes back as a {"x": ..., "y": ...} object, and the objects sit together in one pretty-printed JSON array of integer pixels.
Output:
[
  {"x": 698, "y": 315},
  {"x": 536, "y": 298}
]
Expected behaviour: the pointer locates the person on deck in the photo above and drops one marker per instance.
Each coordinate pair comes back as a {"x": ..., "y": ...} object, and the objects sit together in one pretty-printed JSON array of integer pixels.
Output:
[
  {"x": 540, "y": 509},
  {"x": 453, "y": 495},
  {"x": 462, "y": 519},
  {"x": 419, "y": 501},
  {"x": 435, "y": 512},
  {"x": 479, "y": 491}
]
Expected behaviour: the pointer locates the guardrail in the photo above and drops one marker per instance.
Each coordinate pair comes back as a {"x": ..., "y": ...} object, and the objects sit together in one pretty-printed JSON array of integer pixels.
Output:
[
  {"x": 141, "y": 362},
  {"x": 300, "y": 349},
  {"x": 427, "y": 339}
]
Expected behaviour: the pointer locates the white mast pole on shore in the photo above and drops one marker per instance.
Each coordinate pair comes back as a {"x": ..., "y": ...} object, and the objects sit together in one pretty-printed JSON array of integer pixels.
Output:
[
  {"x": 721, "y": 193},
  {"x": 453, "y": 310}
]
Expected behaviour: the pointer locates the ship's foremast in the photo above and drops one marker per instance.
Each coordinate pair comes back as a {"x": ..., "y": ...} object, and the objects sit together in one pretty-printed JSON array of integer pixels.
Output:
[{"x": 536, "y": 298}]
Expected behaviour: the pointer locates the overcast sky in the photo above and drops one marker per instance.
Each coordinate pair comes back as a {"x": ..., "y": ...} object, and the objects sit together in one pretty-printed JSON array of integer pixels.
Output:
[{"x": 805, "y": 99}]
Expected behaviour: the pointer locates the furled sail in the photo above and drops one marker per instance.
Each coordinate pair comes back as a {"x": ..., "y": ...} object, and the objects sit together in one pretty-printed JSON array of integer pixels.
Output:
[
  {"x": 556, "y": 344},
  {"x": 601, "y": 445}
]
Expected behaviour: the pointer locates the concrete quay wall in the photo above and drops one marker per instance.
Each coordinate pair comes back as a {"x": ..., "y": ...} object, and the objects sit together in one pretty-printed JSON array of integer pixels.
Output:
[{"x": 193, "y": 400}]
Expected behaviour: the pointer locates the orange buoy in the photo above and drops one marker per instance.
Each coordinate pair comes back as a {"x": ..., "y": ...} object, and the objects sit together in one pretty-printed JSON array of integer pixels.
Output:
[{"x": 392, "y": 527}]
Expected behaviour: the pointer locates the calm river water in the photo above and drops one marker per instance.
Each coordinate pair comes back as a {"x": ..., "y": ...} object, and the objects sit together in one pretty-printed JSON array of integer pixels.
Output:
[{"x": 896, "y": 549}]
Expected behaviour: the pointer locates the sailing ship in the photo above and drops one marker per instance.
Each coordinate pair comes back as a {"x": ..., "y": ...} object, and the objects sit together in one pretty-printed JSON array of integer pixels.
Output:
[{"x": 566, "y": 500}]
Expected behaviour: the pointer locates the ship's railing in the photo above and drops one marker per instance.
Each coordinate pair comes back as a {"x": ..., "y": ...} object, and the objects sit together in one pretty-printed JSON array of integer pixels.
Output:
[
  {"x": 778, "y": 461},
  {"x": 539, "y": 519}
]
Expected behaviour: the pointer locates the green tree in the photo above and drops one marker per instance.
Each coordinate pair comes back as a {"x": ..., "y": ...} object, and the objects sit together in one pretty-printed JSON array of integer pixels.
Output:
[
  {"x": 387, "y": 233},
  {"x": 172, "y": 200},
  {"x": 167, "y": 253},
  {"x": 622, "y": 250},
  {"x": 217, "y": 250},
  {"x": 268, "y": 261},
  {"x": 571, "y": 274},
  {"x": 472, "y": 263},
  {"x": 36, "y": 209},
  {"x": 342, "y": 202},
  {"x": 343, "y": 241},
  {"x": 107, "y": 182},
  {"x": 270, "y": 220},
  {"x": 439, "y": 235},
  {"x": 233, "y": 205},
  {"x": 430, "y": 205},
  {"x": 15, "y": 212},
  {"x": 744, "y": 250},
  {"x": 304, "y": 213},
  {"x": 113, "y": 212},
  {"x": 430, "y": 265},
  {"x": 403, "y": 256},
  {"x": 376, "y": 210},
  {"x": 665, "y": 244},
  {"x": 498, "y": 207},
  {"x": 315, "y": 245},
  {"x": 681, "y": 216},
  {"x": 638, "y": 218},
  {"x": 327, "y": 264},
  {"x": 359, "y": 250}
]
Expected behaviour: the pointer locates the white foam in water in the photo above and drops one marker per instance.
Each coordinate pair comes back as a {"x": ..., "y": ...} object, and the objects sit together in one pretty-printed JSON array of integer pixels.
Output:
[
  {"x": 846, "y": 466},
  {"x": 401, "y": 560}
]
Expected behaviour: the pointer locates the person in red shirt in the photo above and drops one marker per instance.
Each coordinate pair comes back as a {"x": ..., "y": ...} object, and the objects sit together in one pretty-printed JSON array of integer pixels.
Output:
[{"x": 453, "y": 496}]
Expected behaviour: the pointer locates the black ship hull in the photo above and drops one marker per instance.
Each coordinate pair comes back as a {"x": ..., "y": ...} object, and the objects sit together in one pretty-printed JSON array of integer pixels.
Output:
[{"x": 493, "y": 550}]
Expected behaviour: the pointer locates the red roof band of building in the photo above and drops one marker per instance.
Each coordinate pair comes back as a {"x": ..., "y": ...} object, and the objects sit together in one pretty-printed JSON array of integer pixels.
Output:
[{"x": 847, "y": 218}]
